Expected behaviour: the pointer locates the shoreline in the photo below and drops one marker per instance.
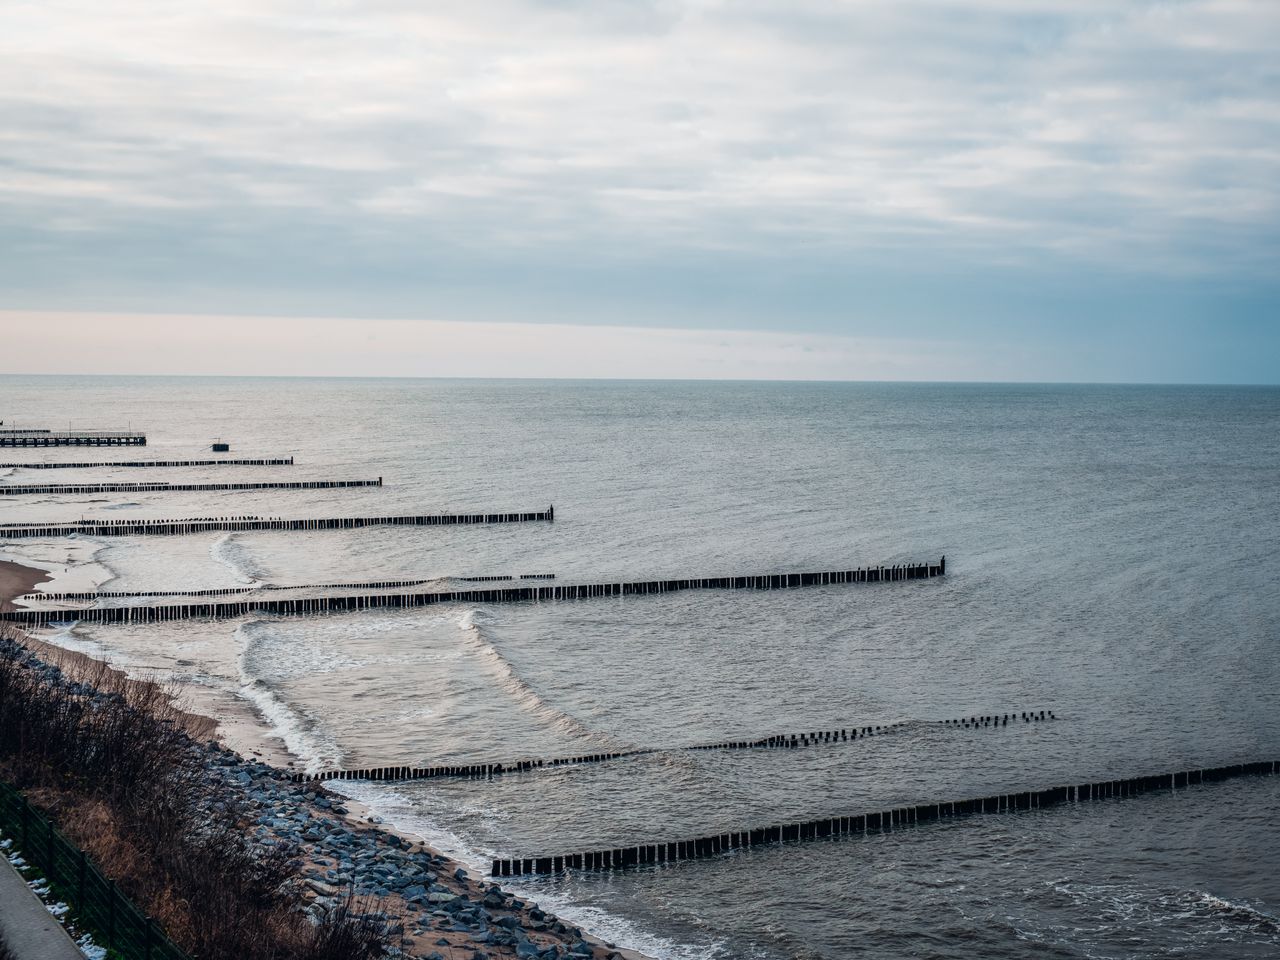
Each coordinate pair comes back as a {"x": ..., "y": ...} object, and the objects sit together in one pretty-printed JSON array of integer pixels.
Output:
[{"x": 237, "y": 734}]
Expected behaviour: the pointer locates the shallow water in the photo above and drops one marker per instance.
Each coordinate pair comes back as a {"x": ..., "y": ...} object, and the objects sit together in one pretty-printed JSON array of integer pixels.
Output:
[{"x": 1108, "y": 557}]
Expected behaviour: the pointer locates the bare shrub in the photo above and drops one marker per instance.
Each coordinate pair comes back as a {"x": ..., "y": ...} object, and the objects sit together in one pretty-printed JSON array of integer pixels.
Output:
[{"x": 111, "y": 760}]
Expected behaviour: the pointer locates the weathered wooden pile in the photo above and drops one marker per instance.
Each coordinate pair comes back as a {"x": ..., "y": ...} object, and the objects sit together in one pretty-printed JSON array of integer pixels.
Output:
[
  {"x": 783, "y": 741},
  {"x": 870, "y": 822},
  {"x": 374, "y": 601}
]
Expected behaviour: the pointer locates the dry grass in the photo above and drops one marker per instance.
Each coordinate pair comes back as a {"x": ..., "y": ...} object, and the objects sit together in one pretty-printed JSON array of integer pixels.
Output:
[{"x": 112, "y": 764}]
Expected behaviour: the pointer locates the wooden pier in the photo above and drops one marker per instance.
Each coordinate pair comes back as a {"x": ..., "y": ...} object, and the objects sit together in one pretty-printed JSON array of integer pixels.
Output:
[
  {"x": 79, "y": 438},
  {"x": 879, "y": 821},
  {"x": 392, "y": 601},
  {"x": 784, "y": 741},
  {"x": 11, "y": 490},
  {"x": 280, "y": 462}
]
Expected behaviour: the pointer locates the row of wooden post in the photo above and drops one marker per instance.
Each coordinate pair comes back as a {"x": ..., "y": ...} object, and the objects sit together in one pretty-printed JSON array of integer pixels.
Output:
[
  {"x": 131, "y": 528},
  {"x": 877, "y": 821},
  {"x": 92, "y": 439},
  {"x": 488, "y": 770},
  {"x": 10, "y": 490},
  {"x": 580, "y": 591},
  {"x": 236, "y": 591},
  {"x": 280, "y": 462}
]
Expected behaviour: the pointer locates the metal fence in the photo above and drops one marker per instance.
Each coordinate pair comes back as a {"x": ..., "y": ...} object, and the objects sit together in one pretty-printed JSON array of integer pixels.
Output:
[{"x": 97, "y": 905}]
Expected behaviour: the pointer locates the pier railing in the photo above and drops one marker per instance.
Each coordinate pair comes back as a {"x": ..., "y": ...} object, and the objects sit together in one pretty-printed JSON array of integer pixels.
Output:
[
  {"x": 97, "y": 904},
  {"x": 873, "y": 822},
  {"x": 379, "y": 601}
]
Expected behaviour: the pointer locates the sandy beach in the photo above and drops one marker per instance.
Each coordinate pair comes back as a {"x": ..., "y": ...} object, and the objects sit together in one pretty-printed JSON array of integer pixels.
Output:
[{"x": 244, "y": 736}]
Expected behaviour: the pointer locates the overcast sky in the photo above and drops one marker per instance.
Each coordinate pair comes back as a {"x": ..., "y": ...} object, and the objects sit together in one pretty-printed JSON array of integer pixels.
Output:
[{"x": 992, "y": 189}]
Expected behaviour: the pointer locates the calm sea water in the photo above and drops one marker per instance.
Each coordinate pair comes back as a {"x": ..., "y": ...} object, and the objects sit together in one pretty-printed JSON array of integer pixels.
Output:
[{"x": 1110, "y": 556}]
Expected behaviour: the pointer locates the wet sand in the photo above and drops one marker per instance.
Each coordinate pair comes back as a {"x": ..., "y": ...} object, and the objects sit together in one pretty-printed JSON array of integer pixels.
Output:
[{"x": 15, "y": 580}]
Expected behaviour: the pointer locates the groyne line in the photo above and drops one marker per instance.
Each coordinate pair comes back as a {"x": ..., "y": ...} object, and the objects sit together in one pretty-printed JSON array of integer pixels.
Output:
[
  {"x": 154, "y": 528},
  {"x": 578, "y": 591},
  {"x": 784, "y": 741},
  {"x": 11, "y": 490},
  {"x": 235, "y": 591},
  {"x": 874, "y": 822},
  {"x": 281, "y": 462},
  {"x": 85, "y": 438}
]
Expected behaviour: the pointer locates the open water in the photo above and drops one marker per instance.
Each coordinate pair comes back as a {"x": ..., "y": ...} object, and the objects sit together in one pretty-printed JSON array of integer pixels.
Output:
[{"x": 1110, "y": 556}]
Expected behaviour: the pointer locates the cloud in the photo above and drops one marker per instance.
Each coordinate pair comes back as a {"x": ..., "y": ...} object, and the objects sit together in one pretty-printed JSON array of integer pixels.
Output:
[
  {"x": 845, "y": 124},
  {"x": 666, "y": 160}
]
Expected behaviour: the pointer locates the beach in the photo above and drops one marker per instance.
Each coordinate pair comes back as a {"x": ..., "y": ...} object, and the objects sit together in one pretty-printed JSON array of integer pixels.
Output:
[{"x": 344, "y": 848}]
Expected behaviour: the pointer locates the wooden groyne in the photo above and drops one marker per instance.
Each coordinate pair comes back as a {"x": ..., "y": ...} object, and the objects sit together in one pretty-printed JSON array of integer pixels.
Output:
[
  {"x": 235, "y": 591},
  {"x": 873, "y": 822},
  {"x": 11, "y": 490},
  {"x": 86, "y": 438},
  {"x": 154, "y": 528},
  {"x": 278, "y": 462},
  {"x": 514, "y": 594},
  {"x": 782, "y": 741}
]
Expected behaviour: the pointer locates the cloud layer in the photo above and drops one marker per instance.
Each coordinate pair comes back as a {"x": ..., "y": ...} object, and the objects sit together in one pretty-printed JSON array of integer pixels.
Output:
[{"x": 707, "y": 163}]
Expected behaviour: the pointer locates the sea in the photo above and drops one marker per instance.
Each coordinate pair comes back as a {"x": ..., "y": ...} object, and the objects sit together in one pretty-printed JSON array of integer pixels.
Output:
[{"x": 1111, "y": 556}]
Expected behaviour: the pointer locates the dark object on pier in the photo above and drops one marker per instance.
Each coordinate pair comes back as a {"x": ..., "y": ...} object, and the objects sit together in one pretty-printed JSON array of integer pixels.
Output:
[
  {"x": 575, "y": 591},
  {"x": 878, "y": 821},
  {"x": 219, "y": 447},
  {"x": 80, "y": 438}
]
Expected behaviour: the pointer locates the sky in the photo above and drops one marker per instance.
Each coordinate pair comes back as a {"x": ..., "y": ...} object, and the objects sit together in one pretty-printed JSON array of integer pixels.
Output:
[{"x": 1080, "y": 190}]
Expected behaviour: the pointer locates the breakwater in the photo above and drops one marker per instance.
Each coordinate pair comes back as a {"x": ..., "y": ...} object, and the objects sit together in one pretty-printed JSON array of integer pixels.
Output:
[
  {"x": 873, "y": 822},
  {"x": 380, "y": 601},
  {"x": 236, "y": 591},
  {"x": 84, "y": 464},
  {"x": 87, "y": 438},
  {"x": 11, "y": 490},
  {"x": 144, "y": 528},
  {"x": 9, "y": 430},
  {"x": 782, "y": 741}
]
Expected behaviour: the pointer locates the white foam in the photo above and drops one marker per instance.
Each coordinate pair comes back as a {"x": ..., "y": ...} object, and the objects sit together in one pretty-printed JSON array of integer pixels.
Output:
[
  {"x": 513, "y": 684},
  {"x": 303, "y": 738},
  {"x": 403, "y": 813},
  {"x": 227, "y": 551}
]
